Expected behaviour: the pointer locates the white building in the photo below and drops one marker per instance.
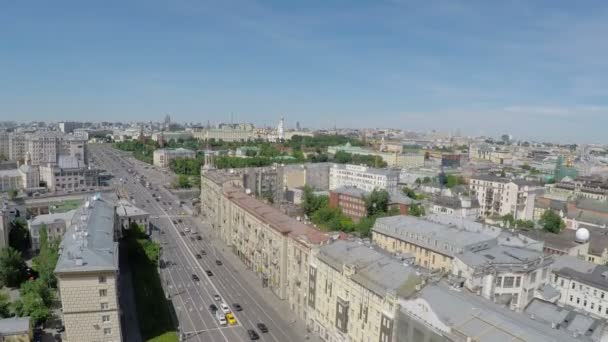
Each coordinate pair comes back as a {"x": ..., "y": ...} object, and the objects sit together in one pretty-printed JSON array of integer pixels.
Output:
[
  {"x": 4, "y": 144},
  {"x": 68, "y": 174},
  {"x": 162, "y": 157},
  {"x": 17, "y": 146},
  {"x": 46, "y": 147},
  {"x": 10, "y": 179},
  {"x": 582, "y": 285},
  {"x": 499, "y": 196},
  {"x": 226, "y": 132},
  {"x": 55, "y": 225},
  {"x": 362, "y": 177},
  {"x": 461, "y": 207},
  {"x": 504, "y": 274}
]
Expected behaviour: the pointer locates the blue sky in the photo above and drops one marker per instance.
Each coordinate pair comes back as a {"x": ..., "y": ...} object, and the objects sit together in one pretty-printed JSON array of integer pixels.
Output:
[{"x": 531, "y": 68}]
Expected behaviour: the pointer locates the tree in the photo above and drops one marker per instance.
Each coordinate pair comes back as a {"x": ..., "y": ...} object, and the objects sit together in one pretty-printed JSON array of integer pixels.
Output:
[
  {"x": 183, "y": 181},
  {"x": 451, "y": 181},
  {"x": 12, "y": 193},
  {"x": 526, "y": 224},
  {"x": 409, "y": 192},
  {"x": 417, "y": 209},
  {"x": 3, "y": 157},
  {"x": 376, "y": 202},
  {"x": 551, "y": 222},
  {"x": 312, "y": 202},
  {"x": 19, "y": 237},
  {"x": 31, "y": 304},
  {"x": 426, "y": 180},
  {"x": 12, "y": 267},
  {"x": 508, "y": 220},
  {"x": 46, "y": 260},
  {"x": 5, "y": 305},
  {"x": 503, "y": 174}
]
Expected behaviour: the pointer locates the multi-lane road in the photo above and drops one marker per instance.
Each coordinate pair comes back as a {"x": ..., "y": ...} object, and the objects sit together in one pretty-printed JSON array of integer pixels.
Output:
[{"x": 191, "y": 298}]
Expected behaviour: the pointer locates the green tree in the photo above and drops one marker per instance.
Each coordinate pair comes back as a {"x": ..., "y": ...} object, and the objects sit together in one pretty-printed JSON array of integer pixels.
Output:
[
  {"x": 12, "y": 193},
  {"x": 451, "y": 181},
  {"x": 3, "y": 157},
  {"x": 409, "y": 192},
  {"x": 526, "y": 224},
  {"x": 46, "y": 260},
  {"x": 508, "y": 220},
  {"x": 31, "y": 304},
  {"x": 426, "y": 180},
  {"x": 12, "y": 267},
  {"x": 312, "y": 202},
  {"x": 551, "y": 222},
  {"x": 417, "y": 209},
  {"x": 183, "y": 181},
  {"x": 5, "y": 305},
  {"x": 19, "y": 237},
  {"x": 376, "y": 202}
]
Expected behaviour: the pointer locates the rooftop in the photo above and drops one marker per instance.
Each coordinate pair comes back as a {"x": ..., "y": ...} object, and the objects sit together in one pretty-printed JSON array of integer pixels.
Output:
[
  {"x": 468, "y": 315},
  {"x": 126, "y": 208},
  {"x": 50, "y": 218},
  {"x": 365, "y": 169},
  {"x": 374, "y": 270},
  {"x": 502, "y": 255},
  {"x": 88, "y": 244},
  {"x": 10, "y": 173},
  {"x": 433, "y": 235},
  {"x": 582, "y": 271},
  {"x": 14, "y": 325}
]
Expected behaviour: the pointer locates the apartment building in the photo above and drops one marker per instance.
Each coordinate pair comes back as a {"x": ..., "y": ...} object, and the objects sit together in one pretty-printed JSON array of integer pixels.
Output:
[
  {"x": 432, "y": 244},
  {"x": 354, "y": 291},
  {"x": 268, "y": 242},
  {"x": 5, "y": 144},
  {"x": 226, "y": 132},
  {"x": 162, "y": 157},
  {"x": 17, "y": 146},
  {"x": 68, "y": 174},
  {"x": 581, "y": 187},
  {"x": 499, "y": 196},
  {"x": 55, "y": 224},
  {"x": 362, "y": 177},
  {"x": 87, "y": 274},
  {"x": 455, "y": 206},
  {"x": 10, "y": 179},
  {"x": 351, "y": 201},
  {"x": 504, "y": 274},
  {"x": 45, "y": 147},
  {"x": 582, "y": 285}
]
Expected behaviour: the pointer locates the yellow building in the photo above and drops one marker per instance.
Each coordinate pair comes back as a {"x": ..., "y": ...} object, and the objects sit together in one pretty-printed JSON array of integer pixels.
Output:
[
  {"x": 87, "y": 274},
  {"x": 433, "y": 245}
]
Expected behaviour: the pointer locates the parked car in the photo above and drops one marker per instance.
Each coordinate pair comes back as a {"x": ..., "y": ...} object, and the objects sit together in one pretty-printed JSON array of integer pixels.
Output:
[
  {"x": 199, "y": 238},
  {"x": 218, "y": 262},
  {"x": 212, "y": 308},
  {"x": 198, "y": 256},
  {"x": 217, "y": 297},
  {"x": 230, "y": 318},
  {"x": 209, "y": 273},
  {"x": 253, "y": 335},
  {"x": 225, "y": 308},
  {"x": 195, "y": 277}
]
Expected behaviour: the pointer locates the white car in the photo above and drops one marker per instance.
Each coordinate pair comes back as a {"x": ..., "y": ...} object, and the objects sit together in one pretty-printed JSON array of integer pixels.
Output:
[
  {"x": 217, "y": 297},
  {"x": 187, "y": 230},
  {"x": 225, "y": 308}
]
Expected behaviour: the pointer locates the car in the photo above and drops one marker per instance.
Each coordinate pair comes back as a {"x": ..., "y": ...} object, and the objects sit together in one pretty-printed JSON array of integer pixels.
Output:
[
  {"x": 217, "y": 297},
  {"x": 218, "y": 262},
  {"x": 182, "y": 233},
  {"x": 209, "y": 273},
  {"x": 199, "y": 238},
  {"x": 187, "y": 229},
  {"x": 198, "y": 256},
  {"x": 263, "y": 328},
  {"x": 225, "y": 308},
  {"x": 179, "y": 220},
  {"x": 203, "y": 252},
  {"x": 195, "y": 277},
  {"x": 212, "y": 308},
  {"x": 237, "y": 307},
  {"x": 253, "y": 335},
  {"x": 174, "y": 222},
  {"x": 230, "y": 318}
]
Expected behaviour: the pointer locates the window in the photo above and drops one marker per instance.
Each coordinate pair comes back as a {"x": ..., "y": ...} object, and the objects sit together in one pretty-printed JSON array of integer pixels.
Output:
[
  {"x": 105, "y": 318},
  {"x": 498, "y": 281},
  {"x": 585, "y": 303},
  {"x": 104, "y": 306},
  {"x": 103, "y": 293},
  {"x": 602, "y": 295},
  {"x": 102, "y": 279},
  {"x": 517, "y": 281},
  {"x": 571, "y": 298},
  {"x": 508, "y": 283},
  {"x": 573, "y": 285},
  {"x": 591, "y": 305},
  {"x": 578, "y": 300},
  {"x": 107, "y": 331},
  {"x": 533, "y": 277}
]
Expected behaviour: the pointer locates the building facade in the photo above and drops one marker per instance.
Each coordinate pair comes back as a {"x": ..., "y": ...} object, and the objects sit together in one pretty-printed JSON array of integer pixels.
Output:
[
  {"x": 55, "y": 224},
  {"x": 501, "y": 196},
  {"x": 163, "y": 157},
  {"x": 362, "y": 177}
]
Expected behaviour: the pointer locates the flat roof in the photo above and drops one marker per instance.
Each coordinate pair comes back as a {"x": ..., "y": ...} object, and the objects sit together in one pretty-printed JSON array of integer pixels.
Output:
[
  {"x": 485, "y": 321},
  {"x": 14, "y": 325},
  {"x": 374, "y": 270},
  {"x": 50, "y": 218},
  {"x": 88, "y": 244},
  {"x": 430, "y": 234},
  {"x": 582, "y": 271},
  {"x": 501, "y": 255}
]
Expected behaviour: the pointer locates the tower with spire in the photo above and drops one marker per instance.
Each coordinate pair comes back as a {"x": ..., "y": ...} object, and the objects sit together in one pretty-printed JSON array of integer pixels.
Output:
[{"x": 281, "y": 129}]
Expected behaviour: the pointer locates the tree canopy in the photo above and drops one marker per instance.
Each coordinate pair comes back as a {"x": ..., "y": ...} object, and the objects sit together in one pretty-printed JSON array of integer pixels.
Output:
[
  {"x": 13, "y": 270},
  {"x": 46, "y": 260},
  {"x": 551, "y": 222},
  {"x": 377, "y": 202}
]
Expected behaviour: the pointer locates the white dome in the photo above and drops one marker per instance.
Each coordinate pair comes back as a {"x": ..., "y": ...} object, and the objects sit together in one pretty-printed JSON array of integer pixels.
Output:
[{"x": 582, "y": 234}]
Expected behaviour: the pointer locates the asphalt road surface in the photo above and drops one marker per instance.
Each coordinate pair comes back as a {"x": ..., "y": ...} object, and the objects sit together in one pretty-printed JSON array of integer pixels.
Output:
[{"x": 190, "y": 298}]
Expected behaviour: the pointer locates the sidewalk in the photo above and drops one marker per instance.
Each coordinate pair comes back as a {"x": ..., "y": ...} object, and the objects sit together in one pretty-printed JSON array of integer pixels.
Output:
[{"x": 281, "y": 307}]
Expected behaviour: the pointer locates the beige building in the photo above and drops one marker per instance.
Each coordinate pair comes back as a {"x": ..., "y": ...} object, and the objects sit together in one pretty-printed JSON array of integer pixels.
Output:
[
  {"x": 55, "y": 224},
  {"x": 226, "y": 132},
  {"x": 354, "y": 292},
  {"x": 5, "y": 144},
  {"x": 499, "y": 196},
  {"x": 266, "y": 240},
  {"x": 87, "y": 274},
  {"x": 162, "y": 157},
  {"x": 17, "y": 146},
  {"x": 432, "y": 244},
  {"x": 10, "y": 179}
]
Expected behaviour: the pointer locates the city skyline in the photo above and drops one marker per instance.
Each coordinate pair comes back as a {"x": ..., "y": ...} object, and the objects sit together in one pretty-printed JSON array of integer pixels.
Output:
[{"x": 534, "y": 70}]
